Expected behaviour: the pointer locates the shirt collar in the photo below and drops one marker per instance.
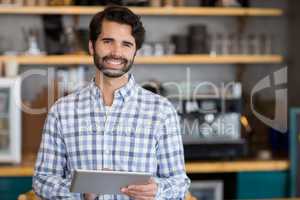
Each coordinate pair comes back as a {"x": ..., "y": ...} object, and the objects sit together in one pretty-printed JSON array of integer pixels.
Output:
[{"x": 124, "y": 92}]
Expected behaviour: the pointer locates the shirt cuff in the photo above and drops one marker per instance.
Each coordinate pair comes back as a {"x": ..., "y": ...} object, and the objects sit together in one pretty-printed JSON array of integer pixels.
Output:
[{"x": 160, "y": 187}]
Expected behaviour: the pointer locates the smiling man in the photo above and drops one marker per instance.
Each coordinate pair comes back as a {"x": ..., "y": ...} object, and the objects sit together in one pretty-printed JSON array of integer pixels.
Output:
[{"x": 112, "y": 123}]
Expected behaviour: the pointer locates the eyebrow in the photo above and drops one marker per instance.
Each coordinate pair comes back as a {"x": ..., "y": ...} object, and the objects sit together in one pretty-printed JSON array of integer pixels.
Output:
[
  {"x": 111, "y": 39},
  {"x": 127, "y": 42},
  {"x": 107, "y": 39}
]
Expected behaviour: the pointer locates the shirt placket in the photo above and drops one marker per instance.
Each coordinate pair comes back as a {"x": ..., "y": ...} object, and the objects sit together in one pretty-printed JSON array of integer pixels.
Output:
[{"x": 107, "y": 141}]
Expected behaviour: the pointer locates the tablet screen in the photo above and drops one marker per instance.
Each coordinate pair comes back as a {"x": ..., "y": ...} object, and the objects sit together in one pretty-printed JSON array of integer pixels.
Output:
[{"x": 105, "y": 182}]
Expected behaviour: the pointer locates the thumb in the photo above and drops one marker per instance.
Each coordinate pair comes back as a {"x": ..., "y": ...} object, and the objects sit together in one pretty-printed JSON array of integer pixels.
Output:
[{"x": 151, "y": 180}]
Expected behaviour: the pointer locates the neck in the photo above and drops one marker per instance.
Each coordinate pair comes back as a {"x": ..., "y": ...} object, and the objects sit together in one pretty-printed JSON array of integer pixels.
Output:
[{"x": 109, "y": 85}]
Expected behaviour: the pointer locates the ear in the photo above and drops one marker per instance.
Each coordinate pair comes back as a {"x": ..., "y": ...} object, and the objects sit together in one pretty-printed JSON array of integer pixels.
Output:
[{"x": 91, "y": 48}]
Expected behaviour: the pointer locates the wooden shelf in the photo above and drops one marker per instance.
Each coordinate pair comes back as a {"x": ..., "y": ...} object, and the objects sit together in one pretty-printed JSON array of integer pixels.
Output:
[
  {"x": 191, "y": 167},
  {"x": 170, "y": 59},
  {"x": 236, "y": 166},
  {"x": 14, "y": 171},
  {"x": 161, "y": 11}
]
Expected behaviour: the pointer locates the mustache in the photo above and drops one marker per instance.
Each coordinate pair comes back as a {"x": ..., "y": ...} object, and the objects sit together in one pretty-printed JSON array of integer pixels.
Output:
[{"x": 123, "y": 60}]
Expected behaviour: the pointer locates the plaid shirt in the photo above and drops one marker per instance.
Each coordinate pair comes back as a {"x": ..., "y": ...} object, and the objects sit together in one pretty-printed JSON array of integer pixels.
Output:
[{"x": 139, "y": 133}]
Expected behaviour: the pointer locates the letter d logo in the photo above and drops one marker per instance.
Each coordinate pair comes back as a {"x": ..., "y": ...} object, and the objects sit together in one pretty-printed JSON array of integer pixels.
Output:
[{"x": 279, "y": 123}]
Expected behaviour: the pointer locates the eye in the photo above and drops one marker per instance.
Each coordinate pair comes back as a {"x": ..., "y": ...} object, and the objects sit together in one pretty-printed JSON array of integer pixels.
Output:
[
  {"x": 106, "y": 41},
  {"x": 127, "y": 45}
]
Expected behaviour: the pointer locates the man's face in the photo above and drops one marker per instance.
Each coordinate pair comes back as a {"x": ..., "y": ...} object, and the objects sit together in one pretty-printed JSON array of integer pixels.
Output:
[{"x": 114, "y": 50}]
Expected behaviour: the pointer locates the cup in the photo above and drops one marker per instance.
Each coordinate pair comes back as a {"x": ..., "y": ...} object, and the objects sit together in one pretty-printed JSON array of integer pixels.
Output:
[
  {"x": 11, "y": 68},
  {"x": 158, "y": 49}
]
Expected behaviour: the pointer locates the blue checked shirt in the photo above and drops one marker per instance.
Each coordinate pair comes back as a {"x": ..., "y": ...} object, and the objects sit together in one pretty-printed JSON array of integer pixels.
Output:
[{"x": 139, "y": 133}]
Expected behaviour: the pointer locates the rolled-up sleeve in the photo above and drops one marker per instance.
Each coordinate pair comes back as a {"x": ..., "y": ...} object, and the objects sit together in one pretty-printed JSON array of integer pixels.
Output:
[{"x": 171, "y": 177}]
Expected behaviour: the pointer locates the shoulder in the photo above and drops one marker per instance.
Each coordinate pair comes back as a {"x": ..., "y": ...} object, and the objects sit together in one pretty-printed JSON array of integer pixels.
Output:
[
  {"x": 161, "y": 104},
  {"x": 70, "y": 101}
]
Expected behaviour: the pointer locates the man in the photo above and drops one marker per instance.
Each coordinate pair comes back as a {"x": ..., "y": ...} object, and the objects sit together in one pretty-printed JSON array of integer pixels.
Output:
[{"x": 112, "y": 123}]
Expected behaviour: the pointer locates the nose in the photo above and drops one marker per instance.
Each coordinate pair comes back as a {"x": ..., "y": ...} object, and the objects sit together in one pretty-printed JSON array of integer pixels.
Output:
[{"x": 116, "y": 50}]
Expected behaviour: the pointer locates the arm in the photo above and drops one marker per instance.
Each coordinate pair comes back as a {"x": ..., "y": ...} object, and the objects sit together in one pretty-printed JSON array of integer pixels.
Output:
[
  {"x": 171, "y": 177},
  {"x": 49, "y": 180},
  {"x": 171, "y": 181}
]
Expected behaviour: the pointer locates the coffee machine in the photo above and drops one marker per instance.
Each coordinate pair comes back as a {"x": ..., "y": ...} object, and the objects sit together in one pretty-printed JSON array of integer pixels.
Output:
[{"x": 210, "y": 123}]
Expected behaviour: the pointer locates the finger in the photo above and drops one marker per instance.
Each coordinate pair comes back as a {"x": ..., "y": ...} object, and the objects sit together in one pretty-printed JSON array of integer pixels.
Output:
[
  {"x": 89, "y": 196},
  {"x": 151, "y": 180},
  {"x": 149, "y": 192},
  {"x": 142, "y": 188},
  {"x": 146, "y": 194}
]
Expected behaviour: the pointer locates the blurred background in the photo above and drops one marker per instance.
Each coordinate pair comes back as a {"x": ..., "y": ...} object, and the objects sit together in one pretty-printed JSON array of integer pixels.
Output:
[{"x": 230, "y": 68}]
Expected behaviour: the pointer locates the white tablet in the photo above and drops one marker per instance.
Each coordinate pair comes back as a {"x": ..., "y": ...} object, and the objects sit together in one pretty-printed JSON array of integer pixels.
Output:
[{"x": 105, "y": 182}]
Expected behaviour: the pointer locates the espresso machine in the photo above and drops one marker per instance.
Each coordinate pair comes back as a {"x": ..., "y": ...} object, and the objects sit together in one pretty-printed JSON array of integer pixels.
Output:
[{"x": 210, "y": 123}]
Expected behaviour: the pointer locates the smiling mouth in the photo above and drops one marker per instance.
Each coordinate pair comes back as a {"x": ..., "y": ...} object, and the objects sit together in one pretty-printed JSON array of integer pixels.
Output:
[{"x": 115, "y": 61}]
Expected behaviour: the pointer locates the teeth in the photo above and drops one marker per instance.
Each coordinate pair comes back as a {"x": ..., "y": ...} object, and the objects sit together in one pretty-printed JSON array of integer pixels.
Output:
[{"x": 114, "y": 61}]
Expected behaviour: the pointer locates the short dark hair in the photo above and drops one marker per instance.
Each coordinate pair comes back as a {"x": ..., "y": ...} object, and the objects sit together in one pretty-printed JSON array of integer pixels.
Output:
[{"x": 121, "y": 15}]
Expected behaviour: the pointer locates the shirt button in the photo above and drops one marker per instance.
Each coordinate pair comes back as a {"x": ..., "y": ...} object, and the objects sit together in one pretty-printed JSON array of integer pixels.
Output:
[
  {"x": 107, "y": 151},
  {"x": 107, "y": 133}
]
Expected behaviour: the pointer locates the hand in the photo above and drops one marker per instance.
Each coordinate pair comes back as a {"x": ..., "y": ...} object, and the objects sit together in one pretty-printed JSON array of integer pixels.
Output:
[
  {"x": 141, "y": 192},
  {"x": 89, "y": 196}
]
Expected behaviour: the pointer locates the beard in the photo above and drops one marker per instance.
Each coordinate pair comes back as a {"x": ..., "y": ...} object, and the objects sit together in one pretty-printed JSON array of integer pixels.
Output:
[{"x": 110, "y": 72}]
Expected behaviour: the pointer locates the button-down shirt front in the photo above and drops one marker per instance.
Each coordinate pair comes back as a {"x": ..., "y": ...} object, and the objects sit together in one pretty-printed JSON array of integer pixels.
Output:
[{"x": 139, "y": 133}]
